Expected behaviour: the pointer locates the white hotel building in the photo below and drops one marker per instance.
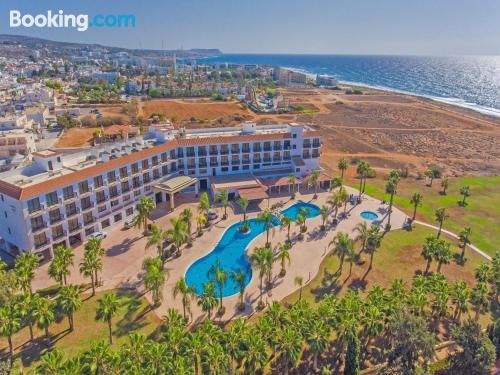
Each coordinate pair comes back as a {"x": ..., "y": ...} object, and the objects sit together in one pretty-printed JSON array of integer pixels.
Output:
[{"x": 62, "y": 199}]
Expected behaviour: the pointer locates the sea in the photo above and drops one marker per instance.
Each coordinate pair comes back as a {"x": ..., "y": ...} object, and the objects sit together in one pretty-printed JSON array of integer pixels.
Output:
[{"x": 467, "y": 81}]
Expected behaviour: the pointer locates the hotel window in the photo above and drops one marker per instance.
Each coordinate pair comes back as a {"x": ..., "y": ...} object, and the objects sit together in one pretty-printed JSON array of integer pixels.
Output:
[
  {"x": 256, "y": 166},
  {"x": 101, "y": 208},
  {"x": 129, "y": 211},
  {"x": 73, "y": 225},
  {"x": 51, "y": 198},
  {"x": 181, "y": 164},
  {"x": 98, "y": 181},
  {"x": 113, "y": 191},
  {"x": 37, "y": 223},
  {"x": 123, "y": 172},
  {"x": 306, "y": 154},
  {"x": 111, "y": 176},
  {"x": 256, "y": 147},
  {"x": 191, "y": 164},
  {"x": 173, "y": 167},
  {"x": 34, "y": 205},
  {"x": 190, "y": 152},
  {"x": 71, "y": 209},
  {"x": 276, "y": 156},
  {"x": 105, "y": 223},
  {"x": 89, "y": 231},
  {"x": 235, "y": 148},
  {"x": 172, "y": 154},
  {"x": 126, "y": 198},
  {"x": 267, "y": 146},
  {"x": 256, "y": 158},
  {"x": 235, "y": 168},
  {"x": 246, "y": 159},
  {"x": 86, "y": 203},
  {"x": 246, "y": 147},
  {"x": 55, "y": 216},
  {"x": 125, "y": 186},
  {"x": 224, "y": 169},
  {"x": 145, "y": 164},
  {"x": 146, "y": 177},
  {"x": 164, "y": 170},
  {"x": 286, "y": 145},
  {"x": 180, "y": 152},
  {"x": 246, "y": 167},
  {"x": 83, "y": 187},
  {"x": 224, "y": 149},
  {"x": 202, "y": 162},
  {"x": 40, "y": 240},
  {"x": 117, "y": 217},
  {"x": 136, "y": 182},
  {"x": 224, "y": 160},
  {"x": 235, "y": 159},
  {"x": 277, "y": 145},
  {"x": 307, "y": 143},
  {"x": 286, "y": 155},
  {"x": 213, "y": 150},
  {"x": 315, "y": 153},
  {"x": 154, "y": 160},
  {"x": 88, "y": 218},
  {"x": 202, "y": 151},
  {"x": 267, "y": 157},
  {"x": 213, "y": 161},
  {"x": 115, "y": 203},
  {"x": 68, "y": 192},
  {"x": 156, "y": 174},
  {"x": 100, "y": 196},
  {"x": 135, "y": 168},
  {"x": 137, "y": 193},
  {"x": 57, "y": 232},
  {"x": 316, "y": 142},
  {"x": 164, "y": 157}
]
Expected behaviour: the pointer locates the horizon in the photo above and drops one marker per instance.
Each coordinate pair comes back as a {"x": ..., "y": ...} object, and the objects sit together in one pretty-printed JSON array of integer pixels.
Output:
[{"x": 321, "y": 27}]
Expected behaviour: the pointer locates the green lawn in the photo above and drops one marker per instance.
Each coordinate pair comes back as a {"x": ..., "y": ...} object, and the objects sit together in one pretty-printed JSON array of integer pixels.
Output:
[
  {"x": 134, "y": 315},
  {"x": 397, "y": 258},
  {"x": 482, "y": 212}
]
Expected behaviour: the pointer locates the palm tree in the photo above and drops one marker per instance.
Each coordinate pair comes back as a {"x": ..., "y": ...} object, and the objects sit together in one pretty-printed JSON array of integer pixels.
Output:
[
  {"x": 239, "y": 277},
  {"x": 187, "y": 216},
  {"x": 373, "y": 242},
  {"x": 156, "y": 237},
  {"x": 464, "y": 237},
  {"x": 479, "y": 299},
  {"x": 51, "y": 363},
  {"x": 201, "y": 220},
  {"x": 292, "y": 180},
  {"x": 342, "y": 166},
  {"x": 266, "y": 217},
  {"x": 362, "y": 170},
  {"x": 208, "y": 300},
  {"x": 351, "y": 257},
  {"x": 255, "y": 356},
  {"x": 428, "y": 251},
  {"x": 460, "y": 294},
  {"x": 154, "y": 278},
  {"x": 283, "y": 256},
  {"x": 107, "y": 307},
  {"x": 442, "y": 254},
  {"x": 391, "y": 188},
  {"x": 416, "y": 200},
  {"x": 301, "y": 223},
  {"x": 10, "y": 323},
  {"x": 258, "y": 260},
  {"x": 25, "y": 267},
  {"x": 444, "y": 184},
  {"x": 343, "y": 199},
  {"x": 299, "y": 281},
  {"x": 336, "y": 182},
  {"x": 286, "y": 222},
  {"x": 223, "y": 198},
  {"x": 93, "y": 245},
  {"x": 483, "y": 272},
  {"x": 68, "y": 301},
  {"x": 440, "y": 215},
  {"x": 432, "y": 173},
  {"x": 187, "y": 292},
  {"x": 204, "y": 203},
  {"x": 363, "y": 232},
  {"x": 313, "y": 180},
  {"x": 335, "y": 202},
  {"x": 44, "y": 314},
  {"x": 219, "y": 275},
  {"x": 243, "y": 202},
  {"x": 288, "y": 347},
  {"x": 144, "y": 208},
  {"x": 27, "y": 307},
  {"x": 465, "y": 192},
  {"x": 89, "y": 266},
  {"x": 60, "y": 264},
  {"x": 178, "y": 233},
  {"x": 318, "y": 338},
  {"x": 343, "y": 245}
]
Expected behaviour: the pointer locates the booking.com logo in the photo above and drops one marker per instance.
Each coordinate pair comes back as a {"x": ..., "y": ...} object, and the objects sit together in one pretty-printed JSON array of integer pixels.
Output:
[{"x": 80, "y": 22}]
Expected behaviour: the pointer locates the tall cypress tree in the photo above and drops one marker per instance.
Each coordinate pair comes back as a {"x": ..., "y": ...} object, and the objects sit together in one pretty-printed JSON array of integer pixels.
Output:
[{"x": 352, "y": 354}]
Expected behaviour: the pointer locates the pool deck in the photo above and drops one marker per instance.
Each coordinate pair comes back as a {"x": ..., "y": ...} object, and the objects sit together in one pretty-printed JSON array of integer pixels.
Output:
[{"x": 122, "y": 265}]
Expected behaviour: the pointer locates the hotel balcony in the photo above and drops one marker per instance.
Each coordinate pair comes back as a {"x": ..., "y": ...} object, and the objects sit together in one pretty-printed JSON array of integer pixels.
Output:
[
  {"x": 75, "y": 228},
  {"x": 59, "y": 235},
  {"x": 88, "y": 207},
  {"x": 90, "y": 221},
  {"x": 72, "y": 213},
  {"x": 39, "y": 229},
  {"x": 70, "y": 197},
  {"x": 56, "y": 220},
  {"x": 42, "y": 244},
  {"x": 36, "y": 211}
]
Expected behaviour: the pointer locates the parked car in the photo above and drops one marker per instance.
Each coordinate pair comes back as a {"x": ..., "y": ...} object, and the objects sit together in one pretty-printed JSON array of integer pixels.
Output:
[
  {"x": 98, "y": 235},
  {"x": 129, "y": 223},
  {"x": 212, "y": 215},
  {"x": 40, "y": 256}
]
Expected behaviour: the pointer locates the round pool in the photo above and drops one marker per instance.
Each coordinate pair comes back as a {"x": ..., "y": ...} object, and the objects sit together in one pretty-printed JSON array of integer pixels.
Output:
[
  {"x": 369, "y": 215},
  {"x": 230, "y": 252}
]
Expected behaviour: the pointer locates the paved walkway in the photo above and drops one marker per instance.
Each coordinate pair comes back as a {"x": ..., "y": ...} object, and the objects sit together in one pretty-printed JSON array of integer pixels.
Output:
[{"x": 451, "y": 234}]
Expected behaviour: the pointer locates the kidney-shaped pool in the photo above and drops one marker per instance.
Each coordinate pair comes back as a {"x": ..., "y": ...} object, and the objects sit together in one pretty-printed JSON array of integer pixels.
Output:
[{"x": 230, "y": 251}]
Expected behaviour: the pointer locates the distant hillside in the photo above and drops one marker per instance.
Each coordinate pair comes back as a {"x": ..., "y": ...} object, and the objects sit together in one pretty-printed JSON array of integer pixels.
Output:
[{"x": 24, "y": 45}]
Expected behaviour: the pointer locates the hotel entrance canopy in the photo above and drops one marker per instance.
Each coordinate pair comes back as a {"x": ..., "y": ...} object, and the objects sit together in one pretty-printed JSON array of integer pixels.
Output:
[{"x": 173, "y": 185}]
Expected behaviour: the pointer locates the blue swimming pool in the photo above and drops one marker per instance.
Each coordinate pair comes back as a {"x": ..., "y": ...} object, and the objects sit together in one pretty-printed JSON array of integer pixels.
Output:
[
  {"x": 369, "y": 215},
  {"x": 230, "y": 251}
]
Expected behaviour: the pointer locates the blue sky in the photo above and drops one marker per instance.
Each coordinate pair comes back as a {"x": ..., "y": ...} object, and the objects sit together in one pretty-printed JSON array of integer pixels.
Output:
[{"x": 421, "y": 27}]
